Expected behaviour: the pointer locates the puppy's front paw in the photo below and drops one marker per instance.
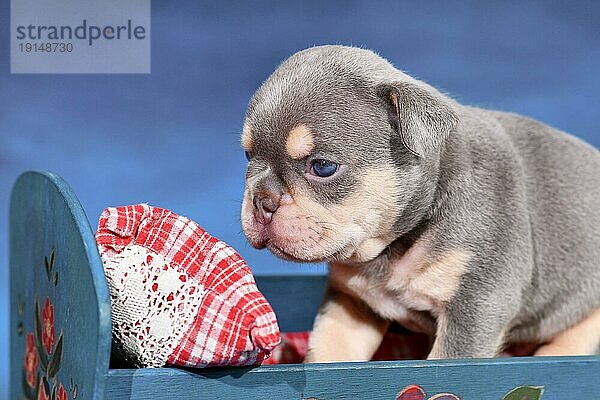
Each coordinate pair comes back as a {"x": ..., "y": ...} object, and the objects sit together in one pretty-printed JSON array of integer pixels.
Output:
[{"x": 344, "y": 330}]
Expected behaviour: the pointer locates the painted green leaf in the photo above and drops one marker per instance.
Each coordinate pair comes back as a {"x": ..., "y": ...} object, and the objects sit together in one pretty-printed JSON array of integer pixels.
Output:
[
  {"x": 37, "y": 335},
  {"x": 46, "y": 385},
  {"x": 525, "y": 393},
  {"x": 74, "y": 388},
  {"x": 55, "y": 278},
  {"x": 55, "y": 360},
  {"x": 52, "y": 254},
  {"x": 47, "y": 265}
]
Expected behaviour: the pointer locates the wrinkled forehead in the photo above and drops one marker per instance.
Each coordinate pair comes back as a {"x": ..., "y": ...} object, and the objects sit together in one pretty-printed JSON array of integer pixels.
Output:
[
  {"x": 292, "y": 136},
  {"x": 307, "y": 121},
  {"x": 296, "y": 139}
]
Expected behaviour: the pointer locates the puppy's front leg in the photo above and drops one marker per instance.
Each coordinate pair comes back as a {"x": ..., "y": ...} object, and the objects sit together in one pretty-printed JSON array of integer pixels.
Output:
[
  {"x": 456, "y": 339},
  {"x": 344, "y": 330},
  {"x": 468, "y": 331}
]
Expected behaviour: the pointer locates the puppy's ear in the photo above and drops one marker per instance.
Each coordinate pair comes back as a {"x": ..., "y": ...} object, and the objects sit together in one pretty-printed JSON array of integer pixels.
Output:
[{"x": 422, "y": 116}]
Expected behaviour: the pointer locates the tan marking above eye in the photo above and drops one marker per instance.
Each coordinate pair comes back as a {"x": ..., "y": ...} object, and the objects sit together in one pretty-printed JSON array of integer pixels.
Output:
[
  {"x": 246, "y": 138},
  {"x": 300, "y": 142}
]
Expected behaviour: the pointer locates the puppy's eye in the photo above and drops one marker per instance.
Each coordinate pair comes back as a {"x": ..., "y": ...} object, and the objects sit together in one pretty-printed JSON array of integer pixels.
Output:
[
  {"x": 323, "y": 168},
  {"x": 247, "y": 154}
]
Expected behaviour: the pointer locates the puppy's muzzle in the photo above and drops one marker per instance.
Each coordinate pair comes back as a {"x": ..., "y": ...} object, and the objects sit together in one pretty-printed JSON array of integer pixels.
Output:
[{"x": 265, "y": 204}]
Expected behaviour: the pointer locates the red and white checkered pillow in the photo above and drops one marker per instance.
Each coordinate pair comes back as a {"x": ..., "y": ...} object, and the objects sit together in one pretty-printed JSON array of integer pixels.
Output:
[{"x": 179, "y": 296}]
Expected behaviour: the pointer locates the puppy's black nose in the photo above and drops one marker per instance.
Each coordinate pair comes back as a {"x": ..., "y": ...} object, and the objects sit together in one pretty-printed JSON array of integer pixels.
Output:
[{"x": 265, "y": 205}]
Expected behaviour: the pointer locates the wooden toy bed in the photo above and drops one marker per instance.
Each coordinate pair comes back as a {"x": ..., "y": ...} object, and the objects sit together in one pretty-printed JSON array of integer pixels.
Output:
[{"x": 54, "y": 263}]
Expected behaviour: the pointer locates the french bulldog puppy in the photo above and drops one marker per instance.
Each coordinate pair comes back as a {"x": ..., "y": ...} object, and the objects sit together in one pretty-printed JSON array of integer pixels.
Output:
[{"x": 479, "y": 227}]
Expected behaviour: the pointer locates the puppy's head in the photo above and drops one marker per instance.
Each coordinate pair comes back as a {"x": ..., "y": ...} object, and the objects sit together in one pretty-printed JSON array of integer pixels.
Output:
[{"x": 343, "y": 151}]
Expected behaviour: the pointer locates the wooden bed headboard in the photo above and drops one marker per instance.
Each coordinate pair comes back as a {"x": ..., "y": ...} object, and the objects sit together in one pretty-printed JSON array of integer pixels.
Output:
[{"x": 59, "y": 296}]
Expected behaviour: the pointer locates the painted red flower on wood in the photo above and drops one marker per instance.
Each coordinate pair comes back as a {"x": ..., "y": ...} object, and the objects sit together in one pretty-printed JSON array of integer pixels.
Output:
[
  {"x": 44, "y": 351},
  {"x": 31, "y": 360},
  {"x": 42, "y": 395},
  {"x": 415, "y": 392},
  {"x": 62, "y": 393},
  {"x": 412, "y": 392},
  {"x": 48, "y": 325}
]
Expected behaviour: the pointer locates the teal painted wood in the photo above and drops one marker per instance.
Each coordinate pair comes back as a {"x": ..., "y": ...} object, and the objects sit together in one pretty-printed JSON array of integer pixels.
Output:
[
  {"x": 295, "y": 299},
  {"x": 71, "y": 291},
  {"x": 46, "y": 219},
  {"x": 563, "y": 378}
]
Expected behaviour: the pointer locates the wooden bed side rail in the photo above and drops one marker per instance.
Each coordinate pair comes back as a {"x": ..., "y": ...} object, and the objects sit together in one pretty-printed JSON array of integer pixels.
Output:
[
  {"x": 529, "y": 378},
  {"x": 60, "y": 308}
]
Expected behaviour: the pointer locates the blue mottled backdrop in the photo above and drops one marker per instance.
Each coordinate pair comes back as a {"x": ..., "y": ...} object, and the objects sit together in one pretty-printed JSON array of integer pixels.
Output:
[{"x": 171, "y": 138}]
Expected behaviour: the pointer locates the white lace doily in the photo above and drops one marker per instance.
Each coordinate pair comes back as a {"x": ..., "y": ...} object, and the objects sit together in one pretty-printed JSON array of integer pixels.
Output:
[{"x": 153, "y": 304}]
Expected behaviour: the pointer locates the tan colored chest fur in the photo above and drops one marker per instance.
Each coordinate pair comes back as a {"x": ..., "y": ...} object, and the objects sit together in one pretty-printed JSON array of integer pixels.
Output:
[{"x": 413, "y": 283}]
